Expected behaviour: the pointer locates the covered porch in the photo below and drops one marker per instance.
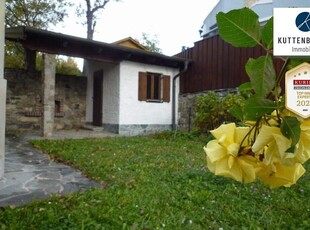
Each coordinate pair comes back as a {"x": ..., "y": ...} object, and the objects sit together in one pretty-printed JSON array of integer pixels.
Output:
[{"x": 51, "y": 43}]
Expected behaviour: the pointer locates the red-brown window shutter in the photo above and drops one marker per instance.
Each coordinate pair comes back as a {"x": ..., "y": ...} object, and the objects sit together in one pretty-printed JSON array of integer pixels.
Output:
[
  {"x": 142, "y": 91},
  {"x": 166, "y": 88}
]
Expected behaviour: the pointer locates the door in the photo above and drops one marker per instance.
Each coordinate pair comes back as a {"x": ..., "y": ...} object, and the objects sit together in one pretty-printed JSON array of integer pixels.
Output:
[{"x": 97, "y": 98}]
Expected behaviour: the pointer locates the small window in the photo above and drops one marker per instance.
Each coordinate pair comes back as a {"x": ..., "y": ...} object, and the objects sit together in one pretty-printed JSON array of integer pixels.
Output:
[
  {"x": 153, "y": 83},
  {"x": 154, "y": 87},
  {"x": 38, "y": 108},
  {"x": 59, "y": 109}
]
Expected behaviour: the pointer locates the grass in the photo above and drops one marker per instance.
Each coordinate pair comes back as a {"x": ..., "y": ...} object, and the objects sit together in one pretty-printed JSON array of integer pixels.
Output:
[{"x": 157, "y": 182}]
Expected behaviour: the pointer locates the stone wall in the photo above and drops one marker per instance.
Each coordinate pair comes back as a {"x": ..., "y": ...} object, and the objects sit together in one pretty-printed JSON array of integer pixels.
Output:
[
  {"x": 186, "y": 111},
  {"x": 24, "y": 95}
]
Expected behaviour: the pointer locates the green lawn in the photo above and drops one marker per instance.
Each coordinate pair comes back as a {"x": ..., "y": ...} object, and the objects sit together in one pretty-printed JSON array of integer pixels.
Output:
[{"x": 158, "y": 182}]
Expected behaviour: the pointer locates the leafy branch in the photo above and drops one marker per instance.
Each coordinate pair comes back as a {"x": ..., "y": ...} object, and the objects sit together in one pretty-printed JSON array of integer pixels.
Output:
[{"x": 241, "y": 28}]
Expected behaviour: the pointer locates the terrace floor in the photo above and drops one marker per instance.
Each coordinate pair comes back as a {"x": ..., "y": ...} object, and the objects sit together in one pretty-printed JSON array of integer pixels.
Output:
[{"x": 30, "y": 174}]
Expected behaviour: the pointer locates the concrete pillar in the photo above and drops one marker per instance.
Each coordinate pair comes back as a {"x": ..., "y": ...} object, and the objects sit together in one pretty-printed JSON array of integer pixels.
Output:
[
  {"x": 2, "y": 90},
  {"x": 48, "y": 99}
]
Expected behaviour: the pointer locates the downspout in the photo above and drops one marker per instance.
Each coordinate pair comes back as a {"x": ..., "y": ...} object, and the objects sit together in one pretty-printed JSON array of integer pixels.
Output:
[{"x": 173, "y": 93}]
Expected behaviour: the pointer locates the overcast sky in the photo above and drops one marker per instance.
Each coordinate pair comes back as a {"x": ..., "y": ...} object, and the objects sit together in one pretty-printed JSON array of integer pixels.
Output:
[{"x": 175, "y": 22}]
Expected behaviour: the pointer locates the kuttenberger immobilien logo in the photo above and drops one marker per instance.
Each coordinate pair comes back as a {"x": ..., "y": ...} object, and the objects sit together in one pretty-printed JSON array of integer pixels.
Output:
[{"x": 291, "y": 32}]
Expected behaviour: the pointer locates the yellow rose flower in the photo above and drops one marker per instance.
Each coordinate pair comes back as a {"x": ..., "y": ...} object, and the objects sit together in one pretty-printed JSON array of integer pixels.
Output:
[
  {"x": 302, "y": 148},
  {"x": 223, "y": 157},
  {"x": 276, "y": 174},
  {"x": 271, "y": 142}
]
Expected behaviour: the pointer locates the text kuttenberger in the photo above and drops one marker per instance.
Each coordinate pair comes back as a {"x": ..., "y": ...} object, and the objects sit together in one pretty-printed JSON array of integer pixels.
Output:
[{"x": 293, "y": 40}]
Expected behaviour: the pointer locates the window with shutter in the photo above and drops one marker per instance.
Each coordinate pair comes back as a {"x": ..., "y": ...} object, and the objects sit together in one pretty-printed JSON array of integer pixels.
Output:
[{"x": 154, "y": 87}]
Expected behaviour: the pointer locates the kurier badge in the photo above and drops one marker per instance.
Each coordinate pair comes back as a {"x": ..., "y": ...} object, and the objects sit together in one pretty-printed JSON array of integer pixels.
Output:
[{"x": 297, "y": 90}]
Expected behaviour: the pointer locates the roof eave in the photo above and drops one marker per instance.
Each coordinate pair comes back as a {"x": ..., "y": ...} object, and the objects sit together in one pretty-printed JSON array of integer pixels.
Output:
[{"x": 57, "y": 43}]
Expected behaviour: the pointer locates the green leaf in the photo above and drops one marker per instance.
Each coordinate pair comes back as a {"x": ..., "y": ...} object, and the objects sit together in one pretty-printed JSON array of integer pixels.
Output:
[
  {"x": 256, "y": 107},
  {"x": 262, "y": 74},
  {"x": 239, "y": 27},
  {"x": 237, "y": 112},
  {"x": 267, "y": 34},
  {"x": 290, "y": 128},
  {"x": 293, "y": 62},
  {"x": 245, "y": 87}
]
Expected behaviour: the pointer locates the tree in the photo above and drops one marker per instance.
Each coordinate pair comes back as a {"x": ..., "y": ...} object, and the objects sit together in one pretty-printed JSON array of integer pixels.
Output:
[
  {"x": 91, "y": 13},
  {"x": 15, "y": 60},
  {"x": 67, "y": 67},
  {"x": 151, "y": 43},
  {"x": 14, "y": 55},
  {"x": 38, "y": 14}
]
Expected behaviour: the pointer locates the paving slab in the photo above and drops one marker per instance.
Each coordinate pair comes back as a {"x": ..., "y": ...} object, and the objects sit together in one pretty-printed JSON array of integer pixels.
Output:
[{"x": 30, "y": 174}]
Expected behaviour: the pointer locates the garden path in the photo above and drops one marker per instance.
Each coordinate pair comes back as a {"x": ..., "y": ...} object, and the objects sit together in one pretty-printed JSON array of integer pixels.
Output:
[{"x": 30, "y": 175}]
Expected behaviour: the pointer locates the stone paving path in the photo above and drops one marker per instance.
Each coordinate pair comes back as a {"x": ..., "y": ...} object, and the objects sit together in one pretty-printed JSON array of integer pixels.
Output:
[{"x": 31, "y": 175}]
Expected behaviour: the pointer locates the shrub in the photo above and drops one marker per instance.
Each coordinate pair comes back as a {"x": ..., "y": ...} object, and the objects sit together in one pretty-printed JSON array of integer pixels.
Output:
[{"x": 211, "y": 110}]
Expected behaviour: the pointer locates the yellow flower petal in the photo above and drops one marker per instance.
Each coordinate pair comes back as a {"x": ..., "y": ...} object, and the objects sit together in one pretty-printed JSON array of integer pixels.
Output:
[
  {"x": 282, "y": 143},
  {"x": 249, "y": 168},
  {"x": 302, "y": 151},
  {"x": 290, "y": 174},
  {"x": 305, "y": 125},
  {"x": 230, "y": 161},
  {"x": 272, "y": 143},
  {"x": 223, "y": 169},
  {"x": 242, "y": 135},
  {"x": 233, "y": 149},
  {"x": 264, "y": 137},
  {"x": 277, "y": 175},
  {"x": 211, "y": 165},
  {"x": 226, "y": 129},
  {"x": 215, "y": 151}
]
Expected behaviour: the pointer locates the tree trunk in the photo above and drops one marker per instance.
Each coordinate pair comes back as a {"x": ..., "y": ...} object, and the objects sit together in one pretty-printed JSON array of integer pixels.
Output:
[{"x": 90, "y": 30}]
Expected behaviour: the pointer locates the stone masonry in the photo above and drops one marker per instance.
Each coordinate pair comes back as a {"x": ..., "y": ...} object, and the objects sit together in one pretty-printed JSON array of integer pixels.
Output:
[{"x": 24, "y": 101}]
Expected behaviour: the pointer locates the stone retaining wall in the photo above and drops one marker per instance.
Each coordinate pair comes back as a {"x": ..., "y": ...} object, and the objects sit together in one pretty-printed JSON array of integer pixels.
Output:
[
  {"x": 24, "y": 95},
  {"x": 186, "y": 111}
]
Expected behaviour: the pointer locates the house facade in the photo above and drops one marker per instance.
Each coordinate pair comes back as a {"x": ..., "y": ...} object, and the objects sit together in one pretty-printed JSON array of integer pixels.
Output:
[
  {"x": 263, "y": 8},
  {"x": 129, "y": 98},
  {"x": 130, "y": 91}
]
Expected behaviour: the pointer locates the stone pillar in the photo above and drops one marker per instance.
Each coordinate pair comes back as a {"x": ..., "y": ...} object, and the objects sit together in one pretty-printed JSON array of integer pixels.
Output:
[
  {"x": 48, "y": 99},
  {"x": 2, "y": 90}
]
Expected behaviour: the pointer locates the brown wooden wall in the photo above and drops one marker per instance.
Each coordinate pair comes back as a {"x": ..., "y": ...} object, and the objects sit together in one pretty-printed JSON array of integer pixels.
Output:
[{"x": 216, "y": 65}]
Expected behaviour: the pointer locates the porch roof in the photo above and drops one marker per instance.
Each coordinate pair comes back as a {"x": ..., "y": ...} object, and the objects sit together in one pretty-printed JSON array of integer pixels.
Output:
[{"x": 58, "y": 43}]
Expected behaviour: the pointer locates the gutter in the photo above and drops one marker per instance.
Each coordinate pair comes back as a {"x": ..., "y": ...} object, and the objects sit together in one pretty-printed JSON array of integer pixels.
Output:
[{"x": 173, "y": 94}]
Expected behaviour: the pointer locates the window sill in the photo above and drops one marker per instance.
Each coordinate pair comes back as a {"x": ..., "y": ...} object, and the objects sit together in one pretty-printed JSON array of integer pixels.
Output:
[{"x": 154, "y": 101}]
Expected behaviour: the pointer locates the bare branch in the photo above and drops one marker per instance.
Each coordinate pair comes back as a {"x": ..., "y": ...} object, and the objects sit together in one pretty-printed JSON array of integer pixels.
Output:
[{"x": 100, "y": 6}]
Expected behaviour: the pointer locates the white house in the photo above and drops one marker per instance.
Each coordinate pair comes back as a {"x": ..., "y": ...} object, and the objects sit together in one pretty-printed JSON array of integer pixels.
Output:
[
  {"x": 130, "y": 91},
  {"x": 263, "y": 8},
  {"x": 129, "y": 98}
]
